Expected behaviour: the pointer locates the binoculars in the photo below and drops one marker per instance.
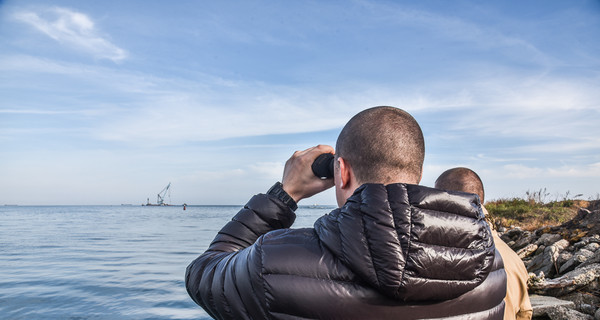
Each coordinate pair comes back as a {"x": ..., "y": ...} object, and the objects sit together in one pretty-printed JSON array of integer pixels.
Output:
[{"x": 322, "y": 167}]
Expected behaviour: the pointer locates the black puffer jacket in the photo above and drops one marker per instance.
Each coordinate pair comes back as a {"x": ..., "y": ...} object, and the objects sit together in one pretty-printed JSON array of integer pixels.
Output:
[{"x": 391, "y": 252}]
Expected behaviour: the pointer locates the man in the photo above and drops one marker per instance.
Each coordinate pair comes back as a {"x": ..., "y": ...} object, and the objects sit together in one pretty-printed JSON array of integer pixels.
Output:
[
  {"x": 517, "y": 301},
  {"x": 393, "y": 250}
]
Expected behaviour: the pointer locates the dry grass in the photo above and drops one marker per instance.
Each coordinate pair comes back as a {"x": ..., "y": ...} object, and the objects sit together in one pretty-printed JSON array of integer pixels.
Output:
[{"x": 533, "y": 211}]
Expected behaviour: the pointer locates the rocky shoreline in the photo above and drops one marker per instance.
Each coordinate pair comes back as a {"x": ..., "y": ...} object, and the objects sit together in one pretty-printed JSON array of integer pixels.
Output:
[{"x": 564, "y": 263}]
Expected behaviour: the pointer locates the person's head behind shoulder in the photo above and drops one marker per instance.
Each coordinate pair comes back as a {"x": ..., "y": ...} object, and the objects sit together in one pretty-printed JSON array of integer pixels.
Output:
[
  {"x": 378, "y": 145},
  {"x": 461, "y": 179}
]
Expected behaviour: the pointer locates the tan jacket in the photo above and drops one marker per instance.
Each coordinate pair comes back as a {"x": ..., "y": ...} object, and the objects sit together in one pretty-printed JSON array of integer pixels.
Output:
[{"x": 517, "y": 301}]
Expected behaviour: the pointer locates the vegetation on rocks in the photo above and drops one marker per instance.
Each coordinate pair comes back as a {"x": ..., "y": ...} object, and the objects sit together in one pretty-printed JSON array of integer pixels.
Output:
[{"x": 535, "y": 210}]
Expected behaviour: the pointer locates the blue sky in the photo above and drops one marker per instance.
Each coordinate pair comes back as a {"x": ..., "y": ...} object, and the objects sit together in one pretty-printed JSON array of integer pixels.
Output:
[{"x": 105, "y": 102}]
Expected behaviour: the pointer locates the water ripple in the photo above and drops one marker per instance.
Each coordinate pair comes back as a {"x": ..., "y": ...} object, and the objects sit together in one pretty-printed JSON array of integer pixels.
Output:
[{"x": 105, "y": 262}]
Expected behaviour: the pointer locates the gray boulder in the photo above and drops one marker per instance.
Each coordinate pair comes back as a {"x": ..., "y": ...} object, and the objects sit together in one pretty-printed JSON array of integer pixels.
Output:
[
  {"x": 542, "y": 304},
  {"x": 564, "y": 256},
  {"x": 593, "y": 259},
  {"x": 562, "y": 313},
  {"x": 527, "y": 251},
  {"x": 579, "y": 257},
  {"x": 522, "y": 242},
  {"x": 592, "y": 247},
  {"x": 548, "y": 239},
  {"x": 587, "y": 240},
  {"x": 567, "y": 283},
  {"x": 546, "y": 262},
  {"x": 513, "y": 234}
]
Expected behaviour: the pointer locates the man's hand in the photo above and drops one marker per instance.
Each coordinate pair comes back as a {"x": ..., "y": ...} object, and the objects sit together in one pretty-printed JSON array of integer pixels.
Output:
[{"x": 299, "y": 181}]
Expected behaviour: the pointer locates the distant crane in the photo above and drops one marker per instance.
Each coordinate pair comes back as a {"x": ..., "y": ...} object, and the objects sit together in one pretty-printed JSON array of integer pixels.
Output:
[{"x": 160, "y": 197}]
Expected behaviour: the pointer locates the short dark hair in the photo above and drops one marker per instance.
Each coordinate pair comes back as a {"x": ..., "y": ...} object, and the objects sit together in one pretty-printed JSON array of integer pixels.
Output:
[
  {"x": 382, "y": 144},
  {"x": 461, "y": 179}
]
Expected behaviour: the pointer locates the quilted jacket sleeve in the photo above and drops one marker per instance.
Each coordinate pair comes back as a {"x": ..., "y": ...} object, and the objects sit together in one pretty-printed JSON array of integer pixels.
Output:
[{"x": 226, "y": 279}]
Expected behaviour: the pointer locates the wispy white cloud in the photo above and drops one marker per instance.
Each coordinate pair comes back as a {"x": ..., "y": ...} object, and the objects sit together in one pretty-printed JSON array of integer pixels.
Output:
[
  {"x": 270, "y": 170},
  {"x": 163, "y": 111},
  {"x": 495, "y": 159},
  {"x": 453, "y": 28},
  {"x": 587, "y": 143},
  {"x": 46, "y": 112},
  {"x": 183, "y": 117},
  {"x": 27, "y": 63},
  {"x": 588, "y": 171},
  {"x": 259, "y": 109},
  {"x": 73, "y": 29},
  {"x": 519, "y": 171},
  {"x": 514, "y": 105}
]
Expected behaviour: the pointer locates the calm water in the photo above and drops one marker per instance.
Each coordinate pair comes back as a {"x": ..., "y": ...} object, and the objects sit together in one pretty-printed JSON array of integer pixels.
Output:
[{"x": 106, "y": 262}]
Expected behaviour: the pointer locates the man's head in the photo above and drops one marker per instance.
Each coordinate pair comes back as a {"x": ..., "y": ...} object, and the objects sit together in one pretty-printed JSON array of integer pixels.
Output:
[
  {"x": 461, "y": 179},
  {"x": 379, "y": 145}
]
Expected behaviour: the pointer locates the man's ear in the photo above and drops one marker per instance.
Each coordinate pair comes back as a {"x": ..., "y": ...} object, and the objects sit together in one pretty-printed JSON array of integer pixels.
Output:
[{"x": 345, "y": 173}]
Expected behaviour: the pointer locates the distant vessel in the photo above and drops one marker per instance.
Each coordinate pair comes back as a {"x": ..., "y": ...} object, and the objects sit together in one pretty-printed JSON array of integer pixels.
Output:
[{"x": 160, "y": 197}]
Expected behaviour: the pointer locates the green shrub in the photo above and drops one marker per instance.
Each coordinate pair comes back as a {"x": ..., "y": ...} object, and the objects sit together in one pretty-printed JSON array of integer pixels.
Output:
[{"x": 531, "y": 211}]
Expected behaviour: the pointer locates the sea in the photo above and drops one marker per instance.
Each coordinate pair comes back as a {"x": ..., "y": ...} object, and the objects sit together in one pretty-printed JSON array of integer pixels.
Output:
[{"x": 107, "y": 262}]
